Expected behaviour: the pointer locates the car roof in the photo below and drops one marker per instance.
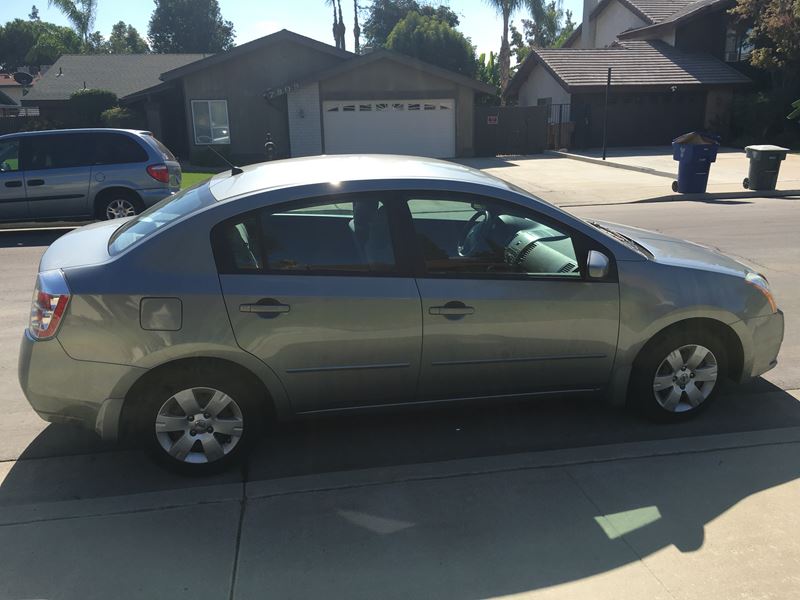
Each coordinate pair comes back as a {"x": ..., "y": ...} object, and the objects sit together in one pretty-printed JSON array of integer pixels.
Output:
[
  {"x": 343, "y": 167},
  {"x": 82, "y": 130}
]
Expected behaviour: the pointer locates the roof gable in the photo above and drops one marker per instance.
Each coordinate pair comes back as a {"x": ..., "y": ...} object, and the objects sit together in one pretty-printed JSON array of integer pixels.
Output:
[{"x": 688, "y": 12}]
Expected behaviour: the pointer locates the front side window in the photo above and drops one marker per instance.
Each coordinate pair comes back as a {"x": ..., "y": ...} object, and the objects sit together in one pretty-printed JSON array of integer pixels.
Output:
[
  {"x": 349, "y": 236},
  {"x": 210, "y": 121},
  {"x": 9, "y": 156},
  {"x": 483, "y": 237}
]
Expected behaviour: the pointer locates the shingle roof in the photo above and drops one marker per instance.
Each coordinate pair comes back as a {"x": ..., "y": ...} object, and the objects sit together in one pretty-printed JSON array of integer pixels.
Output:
[
  {"x": 634, "y": 64},
  {"x": 688, "y": 11},
  {"x": 122, "y": 74},
  {"x": 658, "y": 10}
]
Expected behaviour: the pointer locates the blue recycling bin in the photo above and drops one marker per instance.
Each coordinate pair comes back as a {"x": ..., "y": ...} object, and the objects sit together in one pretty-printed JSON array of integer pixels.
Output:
[{"x": 694, "y": 152}]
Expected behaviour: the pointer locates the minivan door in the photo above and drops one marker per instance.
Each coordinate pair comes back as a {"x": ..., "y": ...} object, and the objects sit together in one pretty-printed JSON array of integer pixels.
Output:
[
  {"x": 57, "y": 174},
  {"x": 13, "y": 203},
  {"x": 314, "y": 291}
]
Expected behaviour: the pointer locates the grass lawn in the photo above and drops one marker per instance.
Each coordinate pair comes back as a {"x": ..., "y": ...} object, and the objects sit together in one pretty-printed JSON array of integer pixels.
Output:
[{"x": 190, "y": 179}]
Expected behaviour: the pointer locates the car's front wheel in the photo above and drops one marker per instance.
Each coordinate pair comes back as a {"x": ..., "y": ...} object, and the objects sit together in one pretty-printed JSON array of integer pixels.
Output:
[
  {"x": 678, "y": 375},
  {"x": 198, "y": 423}
]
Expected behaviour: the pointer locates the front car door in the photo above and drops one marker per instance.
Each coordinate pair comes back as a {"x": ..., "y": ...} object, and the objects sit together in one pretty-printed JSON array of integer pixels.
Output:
[
  {"x": 507, "y": 307},
  {"x": 13, "y": 203},
  {"x": 314, "y": 290},
  {"x": 57, "y": 174}
]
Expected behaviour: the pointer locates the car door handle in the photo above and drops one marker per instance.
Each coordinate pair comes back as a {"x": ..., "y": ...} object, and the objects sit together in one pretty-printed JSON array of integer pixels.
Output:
[
  {"x": 16, "y": 183},
  {"x": 452, "y": 309},
  {"x": 35, "y": 182},
  {"x": 264, "y": 309}
]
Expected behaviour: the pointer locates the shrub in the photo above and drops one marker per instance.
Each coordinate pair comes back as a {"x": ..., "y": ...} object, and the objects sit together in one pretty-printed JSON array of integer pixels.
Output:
[
  {"x": 88, "y": 105},
  {"x": 122, "y": 118}
]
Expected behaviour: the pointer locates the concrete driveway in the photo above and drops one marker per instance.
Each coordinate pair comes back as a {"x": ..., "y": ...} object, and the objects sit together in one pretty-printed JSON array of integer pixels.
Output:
[{"x": 541, "y": 500}]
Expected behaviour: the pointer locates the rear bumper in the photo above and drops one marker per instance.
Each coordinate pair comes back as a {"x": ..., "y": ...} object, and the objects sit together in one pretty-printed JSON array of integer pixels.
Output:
[
  {"x": 766, "y": 334},
  {"x": 64, "y": 390},
  {"x": 150, "y": 197}
]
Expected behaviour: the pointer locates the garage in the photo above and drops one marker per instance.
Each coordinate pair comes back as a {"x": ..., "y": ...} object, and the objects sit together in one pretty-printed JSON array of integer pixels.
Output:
[{"x": 425, "y": 127}]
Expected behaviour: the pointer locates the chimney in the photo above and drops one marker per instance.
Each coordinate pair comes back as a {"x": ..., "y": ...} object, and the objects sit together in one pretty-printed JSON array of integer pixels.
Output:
[{"x": 587, "y": 26}]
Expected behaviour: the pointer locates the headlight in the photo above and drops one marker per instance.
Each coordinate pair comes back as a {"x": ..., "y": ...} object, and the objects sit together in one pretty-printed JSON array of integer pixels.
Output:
[{"x": 760, "y": 282}]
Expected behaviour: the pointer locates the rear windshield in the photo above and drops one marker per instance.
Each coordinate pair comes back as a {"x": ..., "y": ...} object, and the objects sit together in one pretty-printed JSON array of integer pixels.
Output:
[
  {"x": 161, "y": 148},
  {"x": 159, "y": 215}
]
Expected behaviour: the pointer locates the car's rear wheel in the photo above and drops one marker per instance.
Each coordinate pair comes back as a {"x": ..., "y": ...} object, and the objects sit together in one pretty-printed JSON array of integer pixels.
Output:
[
  {"x": 678, "y": 375},
  {"x": 198, "y": 423},
  {"x": 119, "y": 205}
]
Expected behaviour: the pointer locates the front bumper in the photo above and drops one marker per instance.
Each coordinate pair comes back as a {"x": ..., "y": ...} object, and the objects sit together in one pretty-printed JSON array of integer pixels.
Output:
[
  {"x": 64, "y": 390},
  {"x": 766, "y": 334}
]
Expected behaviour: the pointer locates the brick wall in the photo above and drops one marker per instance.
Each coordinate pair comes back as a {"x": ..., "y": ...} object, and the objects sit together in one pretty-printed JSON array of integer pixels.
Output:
[{"x": 305, "y": 128}]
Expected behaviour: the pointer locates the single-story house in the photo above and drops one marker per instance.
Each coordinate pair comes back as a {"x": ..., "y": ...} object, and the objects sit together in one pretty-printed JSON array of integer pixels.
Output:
[
  {"x": 675, "y": 66},
  {"x": 310, "y": 97}
]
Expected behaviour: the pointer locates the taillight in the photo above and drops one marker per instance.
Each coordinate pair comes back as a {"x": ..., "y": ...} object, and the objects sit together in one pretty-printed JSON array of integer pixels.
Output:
[
  {"x": 159, "y": 172},
  {"x": 50, "y": 299}
]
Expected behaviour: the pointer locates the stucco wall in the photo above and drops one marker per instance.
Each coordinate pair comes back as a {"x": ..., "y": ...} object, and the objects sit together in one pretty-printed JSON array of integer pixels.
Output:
[
  {"x": 613, "y": 20},
  {"x": 243, "y": 81},
  {"x": 385, "y": 79},
  {"x": 541, "y": 84},
  {"x": 305, "y": 124}
]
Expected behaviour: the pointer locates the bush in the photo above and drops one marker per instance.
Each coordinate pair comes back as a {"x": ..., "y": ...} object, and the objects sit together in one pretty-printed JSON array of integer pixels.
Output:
[
  {"x": 122, "y": 118},
  {"x": 760, "y": 118},
  {"x": 88, "y": 105}
]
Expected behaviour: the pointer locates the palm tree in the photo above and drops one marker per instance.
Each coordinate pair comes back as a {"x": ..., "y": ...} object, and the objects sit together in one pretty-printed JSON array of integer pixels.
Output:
[
  {"x": 341, "y": 28},
  {"x": 338, "y": 23},
  {"x": 505, "y": 8},
  {"x": 356, "y": 28},
  {"x": 81, "y": 14}
]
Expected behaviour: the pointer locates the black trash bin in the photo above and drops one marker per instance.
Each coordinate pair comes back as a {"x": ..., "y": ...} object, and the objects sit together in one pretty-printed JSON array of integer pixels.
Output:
[
  {"x": 694, "y": 152},
  {"x": 765, "y": 163}
]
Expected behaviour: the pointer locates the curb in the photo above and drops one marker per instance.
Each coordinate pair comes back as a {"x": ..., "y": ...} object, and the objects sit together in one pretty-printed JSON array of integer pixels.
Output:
[{"x": 609, "y": 163}]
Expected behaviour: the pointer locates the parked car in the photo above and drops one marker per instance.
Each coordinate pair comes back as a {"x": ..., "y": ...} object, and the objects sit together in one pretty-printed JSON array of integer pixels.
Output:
[
  {"x": 83, "y": 173},
  {"x": 333, "y": 284}
]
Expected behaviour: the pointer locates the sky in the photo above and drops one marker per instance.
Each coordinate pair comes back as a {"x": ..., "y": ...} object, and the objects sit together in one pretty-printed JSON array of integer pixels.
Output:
[{"x": 256, "y": 18}]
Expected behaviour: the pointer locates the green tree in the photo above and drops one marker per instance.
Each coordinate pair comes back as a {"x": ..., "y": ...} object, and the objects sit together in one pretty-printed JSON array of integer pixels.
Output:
[
  {"x": 34, "y": 43},
  {"x": 88, "y": 106},
  {"x": 434, "y": 41},
  {"x": 125, "y": 39},
  {"x": 505, "y": 8},
  {"x": 489, "y": 72},
  {"x": 189, "y": 26},
  {"x": 34, "y": 14},
  {"x": 384, "y": 15},
  {"x": 81, "y": 15}
]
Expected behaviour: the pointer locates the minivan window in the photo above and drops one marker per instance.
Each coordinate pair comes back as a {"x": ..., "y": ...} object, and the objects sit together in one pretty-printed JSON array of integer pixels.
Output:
[
  {"x": 159, "y": 215},
  {"x": 166, "y": 154},
  {"x": 9, "y": 156},
  {"x": 57, "y": 151},
  {"x": 116, "y": 149}
]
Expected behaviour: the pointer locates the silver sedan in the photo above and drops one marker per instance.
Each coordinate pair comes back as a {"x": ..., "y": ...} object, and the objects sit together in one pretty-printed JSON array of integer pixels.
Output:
[{"x": 335, "y": 284}]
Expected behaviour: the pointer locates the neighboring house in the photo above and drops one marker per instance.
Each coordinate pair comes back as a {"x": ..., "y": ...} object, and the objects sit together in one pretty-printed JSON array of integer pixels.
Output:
[
  {"x": 11, "y": 94},
  {"x": 672, "y": 71},
  {"x": 313, "y": 98}
]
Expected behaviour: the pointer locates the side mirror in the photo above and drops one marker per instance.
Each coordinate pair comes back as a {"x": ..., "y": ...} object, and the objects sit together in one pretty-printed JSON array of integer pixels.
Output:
[{"x": 597, "y": 265}]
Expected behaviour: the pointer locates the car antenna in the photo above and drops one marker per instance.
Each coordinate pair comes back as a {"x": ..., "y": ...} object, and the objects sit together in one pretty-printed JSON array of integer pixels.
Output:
[{"x": 234, "y": 169}]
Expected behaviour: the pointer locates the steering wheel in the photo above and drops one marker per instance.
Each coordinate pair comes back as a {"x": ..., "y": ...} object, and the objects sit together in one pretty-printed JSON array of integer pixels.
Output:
[{"x": 473, "y": 233}]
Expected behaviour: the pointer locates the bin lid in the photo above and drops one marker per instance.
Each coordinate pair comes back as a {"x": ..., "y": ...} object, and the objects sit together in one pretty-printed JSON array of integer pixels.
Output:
[
  {"x": 766, "y": 148},
  {"x": 694, "y": 138}
]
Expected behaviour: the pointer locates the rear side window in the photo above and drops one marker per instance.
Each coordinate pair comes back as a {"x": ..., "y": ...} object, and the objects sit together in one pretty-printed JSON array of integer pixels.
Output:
[
  {"x": 116, "y": 149},
  {"x": 57, "y": 151},
  {"x": 159, "y": 215},
  {"x": 342, "y": 237},
  {"x": 161, "y": 148}
]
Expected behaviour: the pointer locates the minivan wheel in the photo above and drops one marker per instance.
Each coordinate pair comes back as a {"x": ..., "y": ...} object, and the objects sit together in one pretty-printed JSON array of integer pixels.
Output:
[
  {"x": 198, "y": 424},
  {"x": 119, "y": 206},
  {"x": 678, "y": 375}
]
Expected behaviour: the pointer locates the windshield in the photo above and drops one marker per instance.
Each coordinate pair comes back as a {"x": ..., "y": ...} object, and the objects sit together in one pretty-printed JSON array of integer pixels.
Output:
[{"x": 159, "y": 215}]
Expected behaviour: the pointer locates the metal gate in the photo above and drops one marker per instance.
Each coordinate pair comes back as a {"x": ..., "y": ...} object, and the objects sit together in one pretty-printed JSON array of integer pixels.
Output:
[{"x": 510, "y": 130}]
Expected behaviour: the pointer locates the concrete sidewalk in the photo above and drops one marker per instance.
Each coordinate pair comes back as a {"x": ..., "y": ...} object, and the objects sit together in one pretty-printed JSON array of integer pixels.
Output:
[{"x": 704, "y": 517}]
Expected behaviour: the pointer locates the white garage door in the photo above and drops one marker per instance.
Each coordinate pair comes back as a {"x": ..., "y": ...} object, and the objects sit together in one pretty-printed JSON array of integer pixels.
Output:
[{"x": 418, "y": 127}]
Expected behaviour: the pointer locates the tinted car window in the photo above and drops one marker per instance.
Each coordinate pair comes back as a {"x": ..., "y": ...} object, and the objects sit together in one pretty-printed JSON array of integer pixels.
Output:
[
  {"x": 159, "y": 215},
  {"x": 162, "y": 149},
  {"x": 351, "y": 236},
  {"x": 489, "y": 238},
  {"x": 116, "y": 149},
  {"x": 9, "y": 156},
  {"x": 57, "y": 151}
]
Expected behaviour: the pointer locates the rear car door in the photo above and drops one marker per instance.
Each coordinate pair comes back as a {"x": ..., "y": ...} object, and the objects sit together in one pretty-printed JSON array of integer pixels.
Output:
[
  {"x": 13, "y": 203},
  {"x": 57, "y": 174},
  {"x": 506, "y": 306},
  {"x": 316, "y": 291}
]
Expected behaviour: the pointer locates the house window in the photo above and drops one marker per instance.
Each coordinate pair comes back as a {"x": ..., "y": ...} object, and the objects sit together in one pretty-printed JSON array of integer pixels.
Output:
[
  {"x": 210, "y": 120},
  {"x": 737, "y": 45}
]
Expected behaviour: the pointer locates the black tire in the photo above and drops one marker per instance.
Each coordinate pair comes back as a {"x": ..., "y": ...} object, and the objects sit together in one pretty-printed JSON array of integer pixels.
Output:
[
  {"x": 641, "y": 393},
  {"x": 163, "y": 389},
  {"x": 746, "y": 183},
  {"x": 674, "y": 186},
  {"x": 117, "y": 196}
]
